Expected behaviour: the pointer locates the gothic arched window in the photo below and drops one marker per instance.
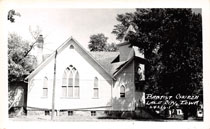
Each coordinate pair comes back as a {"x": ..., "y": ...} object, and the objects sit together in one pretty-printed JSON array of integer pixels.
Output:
[
  {"x": 76, "y": 85},
  {"x": 70, "y": 84},
  {"x": 64, "y": 82}
]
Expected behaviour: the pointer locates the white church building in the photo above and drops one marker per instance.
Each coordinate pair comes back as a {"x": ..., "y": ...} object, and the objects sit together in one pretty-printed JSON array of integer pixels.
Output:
[{"x": 76, "y": 81}]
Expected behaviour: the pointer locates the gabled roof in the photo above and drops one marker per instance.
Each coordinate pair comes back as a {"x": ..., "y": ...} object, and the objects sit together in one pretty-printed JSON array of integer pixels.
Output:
[
  {"x": 117, "y": 66},
  {"x": 105, "y": 59},
  {"x": 134, "y": 53},
  {"x": 122, "y": 65},
  {"x": 116, "y": 59},
  {"x": 85, "y": 54},
  {"x": 103, "y": 62}
]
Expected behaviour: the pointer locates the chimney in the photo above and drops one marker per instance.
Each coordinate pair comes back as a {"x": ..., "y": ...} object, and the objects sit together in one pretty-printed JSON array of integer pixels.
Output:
[
  {"x": 39, "y": 49},
  {"x": 40, "y": 41}
]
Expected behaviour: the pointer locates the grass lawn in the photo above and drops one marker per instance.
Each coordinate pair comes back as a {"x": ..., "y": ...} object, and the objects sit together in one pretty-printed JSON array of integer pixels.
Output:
[
  {"x": 87, "y": 118},
  {"x": 64, "y": 118}
]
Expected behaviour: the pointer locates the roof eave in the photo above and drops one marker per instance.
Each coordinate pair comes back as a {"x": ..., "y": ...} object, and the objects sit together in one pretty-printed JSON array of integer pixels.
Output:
[
  {"x": 128, "y": 62},
  {"x": 59, "y": 50}
]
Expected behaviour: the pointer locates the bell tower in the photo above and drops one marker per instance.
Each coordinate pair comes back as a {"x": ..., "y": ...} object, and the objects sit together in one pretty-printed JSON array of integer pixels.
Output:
[{"x": 125, "y": 46}]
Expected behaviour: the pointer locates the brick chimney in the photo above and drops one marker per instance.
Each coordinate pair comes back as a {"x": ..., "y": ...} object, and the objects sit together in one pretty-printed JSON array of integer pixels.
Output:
[{"x": 39, "y": 49}]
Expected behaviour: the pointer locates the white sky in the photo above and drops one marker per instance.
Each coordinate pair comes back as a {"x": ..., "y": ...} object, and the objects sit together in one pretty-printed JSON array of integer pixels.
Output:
[{"x": 59, "y": 24}]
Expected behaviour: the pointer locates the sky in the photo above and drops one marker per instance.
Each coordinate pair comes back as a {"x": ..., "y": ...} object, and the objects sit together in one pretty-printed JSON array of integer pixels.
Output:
[{"x": 58, "y": 24}]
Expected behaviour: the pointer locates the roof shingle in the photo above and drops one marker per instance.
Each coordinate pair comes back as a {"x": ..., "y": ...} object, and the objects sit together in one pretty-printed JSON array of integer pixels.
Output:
[{"x": 105, "y": 59}]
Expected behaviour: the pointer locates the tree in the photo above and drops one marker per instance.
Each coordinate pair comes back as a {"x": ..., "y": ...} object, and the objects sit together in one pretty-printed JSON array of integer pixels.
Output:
[
  {"x": 20, "y": 62},
  {"x": 98, "y": 42},
  {"x": 11, "y": 15},
  {"x": 111, "y": 47},
  {"x": 172, "y": 44}
]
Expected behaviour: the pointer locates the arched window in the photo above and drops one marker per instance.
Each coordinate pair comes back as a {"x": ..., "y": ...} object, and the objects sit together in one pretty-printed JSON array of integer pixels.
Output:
[
  {"x": 71, "y": 47},
  {"x": 141, "y": 72},
  {"x": 70, "y": 84},
  {"x": 64, "y": 83},
  {"x": 122, "y": 91},
  {"x": 76, "y": 85},
  {"x": 45, "y": 87},
  {"x": 95, "y": 88}
]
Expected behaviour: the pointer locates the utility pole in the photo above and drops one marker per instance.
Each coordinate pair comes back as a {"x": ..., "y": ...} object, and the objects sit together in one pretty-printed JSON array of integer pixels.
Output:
[{"x": 53, "y": 93}]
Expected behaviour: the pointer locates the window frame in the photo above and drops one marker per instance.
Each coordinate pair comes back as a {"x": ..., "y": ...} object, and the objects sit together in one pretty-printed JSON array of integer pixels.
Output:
[
  {"x": 64, "y": 83},
  {"x": 65, "y": 91},
  {"x": 70, "y": 113},
  {"x": 71, "y": 46},
  {"x": 45, "y": 88},
  {"x": 93, "y": 113},
  {"x": 96, "y": 88},
  {"x": 47, "y": 113},
  {"x": 76, "y": 93},
  {"x": 122, "y": 93},
  {"x": 72, "y": 81}
]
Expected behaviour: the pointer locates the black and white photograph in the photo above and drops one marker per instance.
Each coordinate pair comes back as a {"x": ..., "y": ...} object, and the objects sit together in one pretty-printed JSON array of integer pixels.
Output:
[{"x": 105, "y": 64}]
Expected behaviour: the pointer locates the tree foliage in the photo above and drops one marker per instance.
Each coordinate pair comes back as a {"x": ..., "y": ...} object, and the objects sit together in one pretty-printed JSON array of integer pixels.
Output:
[
  {"x": 20, "y": 62},
  {"x": 111, "y": 47},
  {"x": 11, "y": 15},
  {"x": 172, "y": 44},
  {"x": 98, "y": 42}
]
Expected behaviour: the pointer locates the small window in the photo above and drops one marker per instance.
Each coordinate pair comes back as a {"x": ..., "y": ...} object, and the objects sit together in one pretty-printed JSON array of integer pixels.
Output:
[
  {"x": 47, "y": 113},
  {"x": 45, "y": 92},
  {"x": 70, "y": 113},
  {"x": 95, "y": 88},
  {"x": 141, "y": 72},
  {"x": 122, "y": 91},
  {"x": 71, "y": 47},
  {"x": 93, "y": 113},
  {"x": 45, "y": 87}
]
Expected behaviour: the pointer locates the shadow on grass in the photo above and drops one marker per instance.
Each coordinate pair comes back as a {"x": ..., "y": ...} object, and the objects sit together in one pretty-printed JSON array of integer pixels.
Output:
[
  {"x": 150, "y": 119},
  {"x": 136, "y": 119}
]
